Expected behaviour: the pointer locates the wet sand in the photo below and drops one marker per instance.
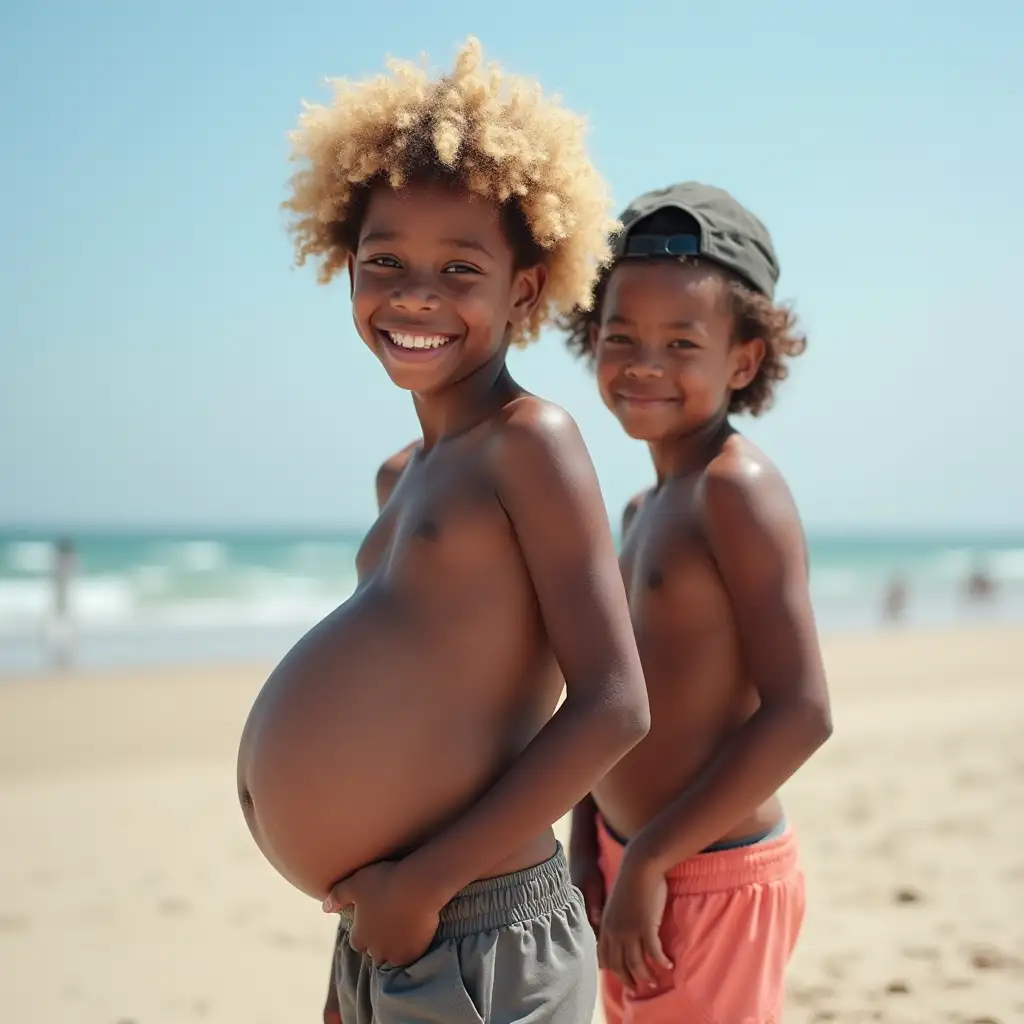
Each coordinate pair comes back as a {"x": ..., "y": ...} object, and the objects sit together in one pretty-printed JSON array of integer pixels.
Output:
[{"x": 130, "y": 889}]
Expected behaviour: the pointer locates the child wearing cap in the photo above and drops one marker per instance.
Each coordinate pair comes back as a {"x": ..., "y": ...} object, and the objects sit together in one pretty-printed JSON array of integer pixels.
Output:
[{"x": 690, "y": 871}]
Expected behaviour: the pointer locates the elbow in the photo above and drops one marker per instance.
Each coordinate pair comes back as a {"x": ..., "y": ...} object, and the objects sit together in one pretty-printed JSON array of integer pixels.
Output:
[
  {"x": 631, "y": 714},
  {"x": 621, "y": 714},
  {"x": 816, "y": 718}
]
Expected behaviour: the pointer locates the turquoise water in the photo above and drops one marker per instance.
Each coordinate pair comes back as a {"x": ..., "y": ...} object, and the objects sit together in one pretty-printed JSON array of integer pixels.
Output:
[{"x": 163, "y": 596}]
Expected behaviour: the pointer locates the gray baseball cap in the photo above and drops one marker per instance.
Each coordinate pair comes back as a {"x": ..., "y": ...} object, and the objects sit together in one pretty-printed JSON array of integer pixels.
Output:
[{"x": 730, "y": 234}]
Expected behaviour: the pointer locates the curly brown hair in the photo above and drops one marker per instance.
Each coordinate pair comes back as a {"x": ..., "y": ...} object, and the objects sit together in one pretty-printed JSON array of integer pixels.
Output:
[
  {"x": 754, "y": 315},
  {"x": 475, "y": 128}
]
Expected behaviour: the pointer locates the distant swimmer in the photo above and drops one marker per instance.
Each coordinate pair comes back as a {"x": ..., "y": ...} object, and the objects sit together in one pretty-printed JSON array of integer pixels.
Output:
[{"x": 61, "y": 638}]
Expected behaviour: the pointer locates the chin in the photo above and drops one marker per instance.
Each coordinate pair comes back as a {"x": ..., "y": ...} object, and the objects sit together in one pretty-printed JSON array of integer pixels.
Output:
[
  {"x": 645, "y": 428},
  {"x": 648, "y": 436}
]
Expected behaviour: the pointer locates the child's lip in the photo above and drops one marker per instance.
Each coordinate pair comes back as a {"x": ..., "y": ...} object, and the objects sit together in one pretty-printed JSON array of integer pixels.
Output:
[{"x": 632, "y": 396}]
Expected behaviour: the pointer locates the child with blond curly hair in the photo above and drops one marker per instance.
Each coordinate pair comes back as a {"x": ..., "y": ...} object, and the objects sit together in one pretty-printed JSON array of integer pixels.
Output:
[{"x": 405, "y": 761}]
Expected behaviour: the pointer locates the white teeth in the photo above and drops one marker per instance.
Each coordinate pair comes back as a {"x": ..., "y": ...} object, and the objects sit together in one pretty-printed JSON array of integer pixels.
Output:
[{"x": 418, "y": 340}]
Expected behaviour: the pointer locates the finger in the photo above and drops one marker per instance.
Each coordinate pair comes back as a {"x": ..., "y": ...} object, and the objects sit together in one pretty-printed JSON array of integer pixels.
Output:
[
  {"x": 340, "y": 896},
  {"x": 656, "y": 951},
  {"x": 636, "y": 965},
  {"x": 356, "y": 940}
]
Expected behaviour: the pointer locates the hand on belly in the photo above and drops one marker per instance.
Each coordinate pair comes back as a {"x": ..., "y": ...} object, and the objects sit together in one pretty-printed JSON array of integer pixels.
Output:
[{"x": 394, "y": 920}]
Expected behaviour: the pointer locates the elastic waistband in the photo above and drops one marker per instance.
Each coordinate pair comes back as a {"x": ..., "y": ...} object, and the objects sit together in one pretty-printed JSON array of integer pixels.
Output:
[
  {"x": 503, "y": 901},
  {"x": 772, "y": 860}
]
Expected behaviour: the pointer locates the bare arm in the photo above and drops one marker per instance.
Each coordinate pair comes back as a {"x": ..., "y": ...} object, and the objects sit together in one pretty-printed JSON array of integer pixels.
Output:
[
  {"x": 755, "y": 536},
  {"x": 583, "y": 843},
  {"x": 550, "y": 492}
]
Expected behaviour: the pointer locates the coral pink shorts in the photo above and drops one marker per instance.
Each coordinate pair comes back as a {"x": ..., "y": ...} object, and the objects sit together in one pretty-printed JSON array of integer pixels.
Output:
[{"x": 732, "y": 921}]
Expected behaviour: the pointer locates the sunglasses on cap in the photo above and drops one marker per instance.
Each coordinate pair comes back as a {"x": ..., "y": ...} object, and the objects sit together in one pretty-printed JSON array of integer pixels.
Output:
[{"x": 647, "y": 246}]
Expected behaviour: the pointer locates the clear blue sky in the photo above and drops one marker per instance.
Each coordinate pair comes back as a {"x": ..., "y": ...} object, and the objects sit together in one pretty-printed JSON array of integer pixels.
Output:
[{"x": 162, "y": 363}]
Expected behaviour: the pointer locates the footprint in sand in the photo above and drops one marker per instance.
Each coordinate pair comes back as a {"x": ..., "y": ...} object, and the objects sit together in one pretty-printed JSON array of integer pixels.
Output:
[
  {"x": 989, "y": 958},
  {"x": 835, "y": 968},
  {"x": 898, "y": 987},
  {"x": 907, "y": 894},
  {"x": 858, "y": 813},
  {"x": 10, "y": 923},
  {"x": 173, "y": 907},
  {"x": 971, "y": 779},
  {"x": 806, "y": 995}
]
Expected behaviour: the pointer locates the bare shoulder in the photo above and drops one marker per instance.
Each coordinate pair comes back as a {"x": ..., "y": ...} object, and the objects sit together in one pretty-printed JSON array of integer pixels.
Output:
[
  {"x": 544, "y": 473},
  {"x": 533, "y": 430},
  {"x": 632, "y": 507},
  {"x": 742, "y": 494},
  {"x": 741, "y": 475},
  {"x": 391, "y": 470}
]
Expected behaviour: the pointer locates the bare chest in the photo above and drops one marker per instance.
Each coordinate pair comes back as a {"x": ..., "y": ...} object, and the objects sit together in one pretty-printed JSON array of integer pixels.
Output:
[
  {"x": 670, "y": 575},
  {"x": 443, "y": 527}
]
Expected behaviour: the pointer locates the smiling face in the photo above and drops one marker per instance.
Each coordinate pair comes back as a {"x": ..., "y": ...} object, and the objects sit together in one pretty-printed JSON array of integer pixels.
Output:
[
  {"x": 435, "y": 285},
  {"x": 666, "y": 359}
]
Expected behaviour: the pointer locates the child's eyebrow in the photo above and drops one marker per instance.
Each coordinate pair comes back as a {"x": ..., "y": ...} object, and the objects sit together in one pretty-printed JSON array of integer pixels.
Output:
[
  {"x": 382, "y": 235},
  {"x": 673, "y": 325},
  {"x": 467, "y": 243},
  {"x": 387, "y": 235}
]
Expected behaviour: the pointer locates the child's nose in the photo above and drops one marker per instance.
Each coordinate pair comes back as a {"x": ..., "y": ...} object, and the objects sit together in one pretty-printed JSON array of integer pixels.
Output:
[
  {"x": 415, "y": 298},
  {"x": 644, "y": 367}
]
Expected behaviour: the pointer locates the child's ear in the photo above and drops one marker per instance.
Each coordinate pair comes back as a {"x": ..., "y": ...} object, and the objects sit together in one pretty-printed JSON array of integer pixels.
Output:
[
  {"x": 350, "y": 262},
  {"x": 593, "y": 333},
  {"x": 527, "y": 291},
  {"x": 746, "y": 361}
]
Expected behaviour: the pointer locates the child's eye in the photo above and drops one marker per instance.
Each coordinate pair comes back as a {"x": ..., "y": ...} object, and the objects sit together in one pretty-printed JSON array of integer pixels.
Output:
[
  {"x": 383, "y": 261},
  {"x": 460, "y": 268},
  {"x": 617, "y": 339},
  {"x": 681, "y": 343}
]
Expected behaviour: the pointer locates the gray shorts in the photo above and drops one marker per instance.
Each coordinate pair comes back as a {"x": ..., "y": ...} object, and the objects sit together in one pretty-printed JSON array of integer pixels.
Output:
[{"x": 511, "y": 948}]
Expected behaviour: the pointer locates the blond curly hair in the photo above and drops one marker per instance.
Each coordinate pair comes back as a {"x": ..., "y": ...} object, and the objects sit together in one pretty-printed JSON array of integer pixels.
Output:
[{"x": 494, "y": 134}]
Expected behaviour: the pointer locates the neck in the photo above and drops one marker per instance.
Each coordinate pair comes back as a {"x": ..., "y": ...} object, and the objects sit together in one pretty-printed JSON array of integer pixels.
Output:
[
  {"x": 684, "y": 454},
  {"x": 458, "y": 408}
]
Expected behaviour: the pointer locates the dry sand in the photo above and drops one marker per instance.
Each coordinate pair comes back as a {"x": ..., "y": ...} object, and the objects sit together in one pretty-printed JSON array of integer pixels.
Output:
[{"x": 130, "y": 889}]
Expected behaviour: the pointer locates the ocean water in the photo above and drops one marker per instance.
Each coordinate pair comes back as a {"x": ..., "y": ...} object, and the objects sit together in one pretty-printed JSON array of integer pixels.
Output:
[{"x": 152, "y": 598}]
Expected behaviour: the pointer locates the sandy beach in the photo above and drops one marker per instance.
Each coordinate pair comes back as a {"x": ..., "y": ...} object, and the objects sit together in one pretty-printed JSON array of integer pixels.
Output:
[{"x": 130, "y": 890}]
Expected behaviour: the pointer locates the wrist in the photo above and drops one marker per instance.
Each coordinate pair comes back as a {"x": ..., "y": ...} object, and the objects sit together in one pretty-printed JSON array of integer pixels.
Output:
[
  {"x": 643, "y": 856},
  {"x": 425, "y": 880}
]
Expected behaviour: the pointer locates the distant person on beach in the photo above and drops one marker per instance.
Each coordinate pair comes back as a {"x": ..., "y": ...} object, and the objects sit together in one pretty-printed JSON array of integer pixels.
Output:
[
  {"x": 61, "y": 629},
  {"x": 895, "y": 603},
  {"x": 979, "y": 586},
  {"x": 690, "y": 870},
  {"x": 405, "y": 762}
]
